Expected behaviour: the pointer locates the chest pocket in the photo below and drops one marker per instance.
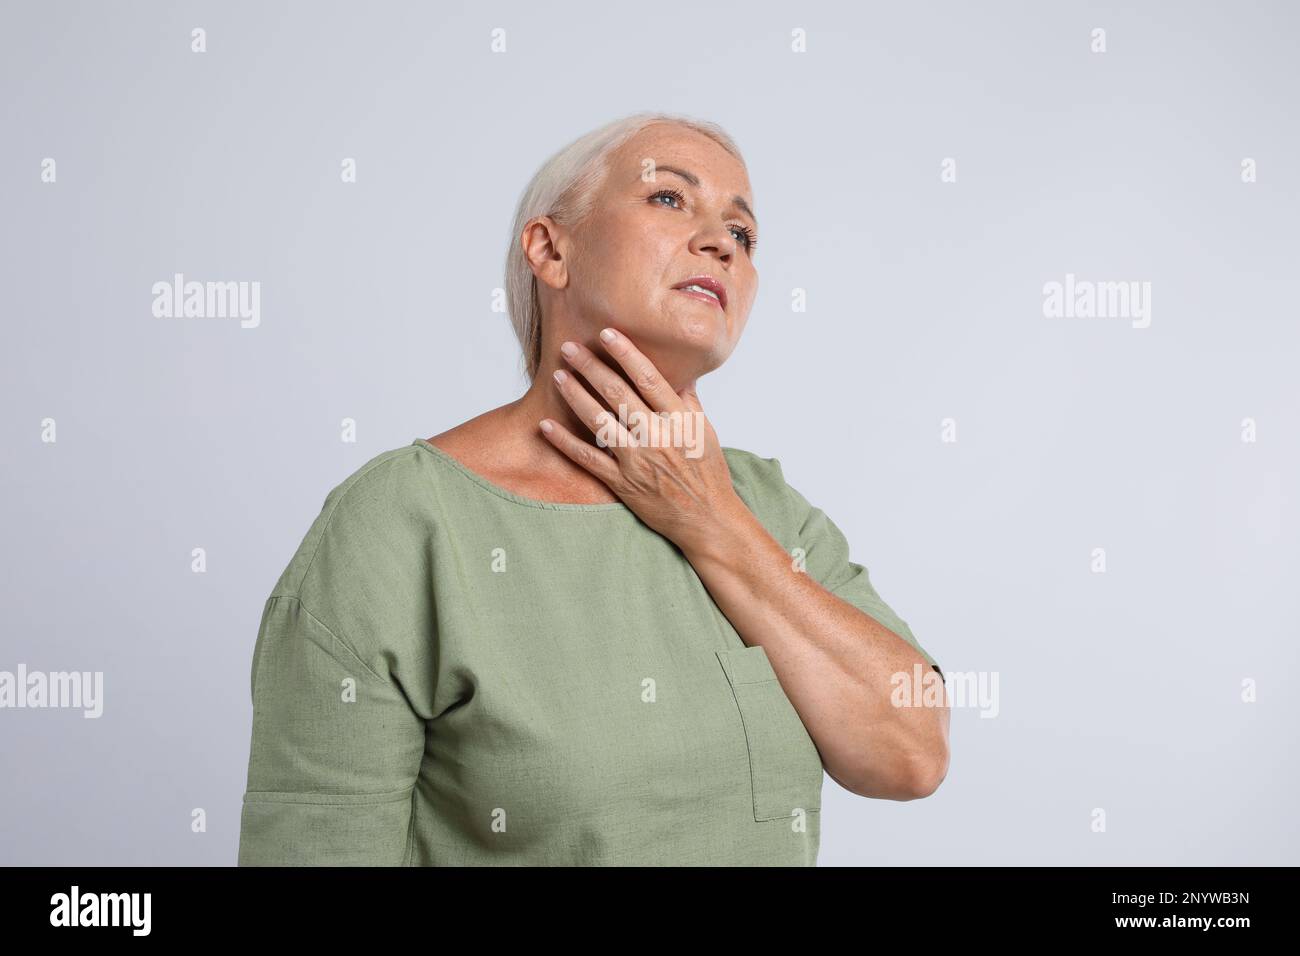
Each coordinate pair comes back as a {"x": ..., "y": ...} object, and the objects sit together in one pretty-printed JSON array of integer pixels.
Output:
[{"x": 784, "y": 767}]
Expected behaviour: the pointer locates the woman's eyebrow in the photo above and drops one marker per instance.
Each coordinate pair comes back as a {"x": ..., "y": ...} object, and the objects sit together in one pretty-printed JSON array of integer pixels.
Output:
[{"x": 737, "y": 201}]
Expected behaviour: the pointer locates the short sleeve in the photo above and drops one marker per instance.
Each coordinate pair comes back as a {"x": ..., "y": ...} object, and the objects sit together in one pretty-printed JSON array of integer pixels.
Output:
[
  {"x": 826, "y": 558},
  {"x": 334, "y": 755}
]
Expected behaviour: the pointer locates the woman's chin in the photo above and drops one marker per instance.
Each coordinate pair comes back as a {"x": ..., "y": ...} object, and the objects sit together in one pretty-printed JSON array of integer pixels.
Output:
[
  {"x": 688, "y": 359},
  {"x": 683, "y": 344},
  {"x": 698, "y": 327}
]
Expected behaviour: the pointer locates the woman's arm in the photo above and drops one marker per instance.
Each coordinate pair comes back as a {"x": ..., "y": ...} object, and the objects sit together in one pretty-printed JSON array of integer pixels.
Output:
[
  {"x": 835, "y": 662},
  {"x": 334, "y": 754}
]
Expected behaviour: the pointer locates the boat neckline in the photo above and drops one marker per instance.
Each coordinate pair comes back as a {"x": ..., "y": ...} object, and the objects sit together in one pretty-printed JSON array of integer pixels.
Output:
[{"x": 509, "y": 495}]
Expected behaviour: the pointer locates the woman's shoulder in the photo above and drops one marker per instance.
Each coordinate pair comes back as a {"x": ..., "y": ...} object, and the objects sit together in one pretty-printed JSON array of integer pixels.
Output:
[
  {"x": 761, "y": 484},
  {"x": 378, "y": 489},
  {"x": 751, "y": 466},
  {"x": 755, "y": 469},
  {"x": 369, "y": 511}
]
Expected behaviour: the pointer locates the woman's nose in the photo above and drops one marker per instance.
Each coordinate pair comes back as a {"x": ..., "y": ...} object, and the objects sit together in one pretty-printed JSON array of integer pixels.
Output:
[{"x": 718, "y": 241}]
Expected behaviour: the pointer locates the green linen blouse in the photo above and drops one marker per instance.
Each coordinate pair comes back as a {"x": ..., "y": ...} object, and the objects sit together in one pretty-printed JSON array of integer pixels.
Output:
[{"x": 448, "y": 673}]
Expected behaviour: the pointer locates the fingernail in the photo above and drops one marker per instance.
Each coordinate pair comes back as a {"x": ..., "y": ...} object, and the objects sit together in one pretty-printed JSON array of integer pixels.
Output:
[
  {"x": 560, "y": 376},
  {"x": 546, "y": 425},
  {"x": 608, "y": 335},
  {"x": 569, "y": 349}
]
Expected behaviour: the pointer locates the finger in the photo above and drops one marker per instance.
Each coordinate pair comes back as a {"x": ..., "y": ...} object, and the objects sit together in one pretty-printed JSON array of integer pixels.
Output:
[
  {"x": 652, "y": 386},
  {"x": 599, "y": 463},
  {"x": 609, "y": 385},
  {"x": 593, "y": 414}
]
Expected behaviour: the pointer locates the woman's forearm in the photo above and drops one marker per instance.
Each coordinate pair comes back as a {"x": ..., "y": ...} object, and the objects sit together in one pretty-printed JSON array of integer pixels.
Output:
[{"x": 835, "y": 662}]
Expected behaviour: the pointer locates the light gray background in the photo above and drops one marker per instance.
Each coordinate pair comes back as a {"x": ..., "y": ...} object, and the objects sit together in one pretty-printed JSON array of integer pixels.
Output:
[{"x": 1119, "y": 690}]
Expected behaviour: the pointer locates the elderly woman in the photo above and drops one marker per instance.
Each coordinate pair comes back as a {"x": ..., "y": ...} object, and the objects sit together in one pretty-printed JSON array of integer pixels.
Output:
[{"x": 556, "y": 635}]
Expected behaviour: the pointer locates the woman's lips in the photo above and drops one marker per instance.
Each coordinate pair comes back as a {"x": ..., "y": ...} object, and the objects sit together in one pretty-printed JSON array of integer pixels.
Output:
[{"x": 702, "y": 296}]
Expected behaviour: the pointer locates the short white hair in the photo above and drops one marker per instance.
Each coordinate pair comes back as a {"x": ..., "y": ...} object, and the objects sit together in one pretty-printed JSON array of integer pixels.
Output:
[{"x": 564, "y": 189}]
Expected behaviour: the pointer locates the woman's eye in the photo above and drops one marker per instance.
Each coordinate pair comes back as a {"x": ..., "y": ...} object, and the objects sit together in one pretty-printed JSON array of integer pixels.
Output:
[
  {"x": 748, "y": 237},
  {"x": 669, "y": 193}
]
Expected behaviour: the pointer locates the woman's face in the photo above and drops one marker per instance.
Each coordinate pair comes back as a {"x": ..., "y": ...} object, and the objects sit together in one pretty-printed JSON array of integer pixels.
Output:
[{"x": 674, "y": 206}]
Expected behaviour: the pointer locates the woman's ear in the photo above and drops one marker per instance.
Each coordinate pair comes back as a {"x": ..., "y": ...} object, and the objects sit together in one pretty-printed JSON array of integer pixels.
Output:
[{"x": 542, "y": 242}]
